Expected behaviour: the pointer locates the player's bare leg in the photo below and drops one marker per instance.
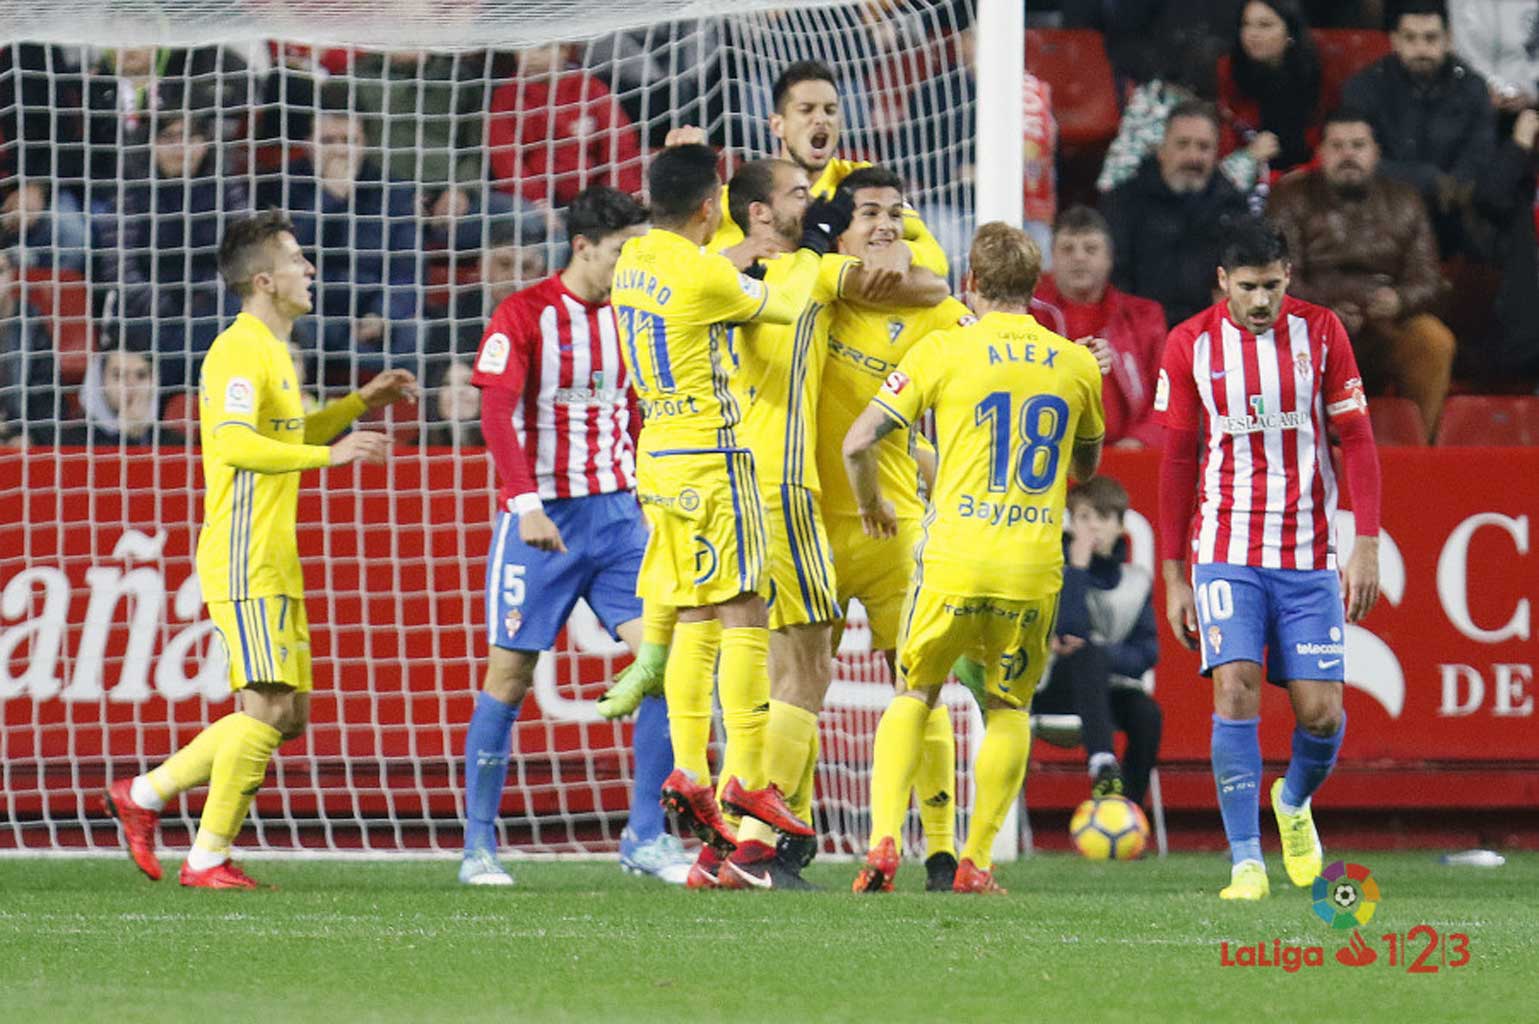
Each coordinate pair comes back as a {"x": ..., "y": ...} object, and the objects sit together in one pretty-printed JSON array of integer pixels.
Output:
[
  {"x": 800, "y": 670},
  {"x": 935, "y": 786},
  {"x": 1236, "y": 753},
  {"x": 646, "y": 845},
  {"x": 488, "y": 744},
  {"x": 1317, "y": 708}
]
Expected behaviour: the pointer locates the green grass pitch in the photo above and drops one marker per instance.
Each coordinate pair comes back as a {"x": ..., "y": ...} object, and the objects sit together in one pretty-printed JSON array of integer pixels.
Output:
[{"x": 89, "y": 940}]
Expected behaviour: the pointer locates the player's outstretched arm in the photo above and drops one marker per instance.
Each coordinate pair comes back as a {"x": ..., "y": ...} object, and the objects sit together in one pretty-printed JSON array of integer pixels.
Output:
[
  {"x": 384, "y": 389},
  {"x": 878, "y": 517}
]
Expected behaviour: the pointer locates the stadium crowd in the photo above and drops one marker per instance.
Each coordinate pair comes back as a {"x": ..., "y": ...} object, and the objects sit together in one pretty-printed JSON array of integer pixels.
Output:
[{"x": 427, "y": 187}]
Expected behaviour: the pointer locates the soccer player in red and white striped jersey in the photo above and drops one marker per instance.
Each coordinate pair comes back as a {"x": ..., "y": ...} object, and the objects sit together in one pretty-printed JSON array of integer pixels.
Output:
[
  {"x": 1248, "y": 391},
  {"x": 558, "y": 417}
]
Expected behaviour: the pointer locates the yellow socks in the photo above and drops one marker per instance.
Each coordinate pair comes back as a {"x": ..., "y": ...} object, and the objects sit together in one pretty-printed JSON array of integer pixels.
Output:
[
  {"x": 743, "y": 688},
  {"x": 935, "y": 783},
  {"x": 997, "y": 778},
  {"x": 800, "y": 799},
  {"x": 893, "y": 759},
  {"x": 687, "y": 686},
  {"x": 191, "y": 766},
  {"x": 789, "y": 737},
  {"x": 657, "y": 623},
  {"x": 239, "y": 767}
]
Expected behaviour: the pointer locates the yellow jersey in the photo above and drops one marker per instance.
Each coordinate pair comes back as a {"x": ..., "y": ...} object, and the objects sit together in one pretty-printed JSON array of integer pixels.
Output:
[
  {"x": 1011, "y": 398},
  {"x": 927, "y": 251},
  {"x": 674, "y": 303},
  {"x": 248, "y": 547},
  {"x": 779, "y": 376},
  {"x": 864, "y": 346}
]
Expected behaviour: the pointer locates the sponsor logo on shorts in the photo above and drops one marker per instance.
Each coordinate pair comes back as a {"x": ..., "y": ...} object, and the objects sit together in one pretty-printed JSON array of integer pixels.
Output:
[
  {"x": 1317, "y": 648},
  {"x": 706, "y": 560}
]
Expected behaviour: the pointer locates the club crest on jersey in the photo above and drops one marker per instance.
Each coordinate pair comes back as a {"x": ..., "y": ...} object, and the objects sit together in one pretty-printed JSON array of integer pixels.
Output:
[
  {"x": 1215, "y": 639},
  {"x": 494, "y": 354},
  {"x": 897, "y": 380},
  {"x": 894, "y": 328},
  {"x": 239, "y": 396},
  {"x": 1302, "y": 364},
  {"x": 512, "y": 620}
]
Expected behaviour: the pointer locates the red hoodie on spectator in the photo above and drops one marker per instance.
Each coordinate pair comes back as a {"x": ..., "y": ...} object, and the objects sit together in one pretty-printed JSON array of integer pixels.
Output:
[
  {"x": 551, "y": 136},
  {"x": 1135, "y": 329}
]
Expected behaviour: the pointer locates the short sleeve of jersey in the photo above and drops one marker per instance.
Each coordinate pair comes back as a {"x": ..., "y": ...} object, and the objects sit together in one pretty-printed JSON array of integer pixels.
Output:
[
  {"x": 833, "y": 272},
  {"x": 1176, "y": 404},
  {"x": 909, "y": 388},
  {"x": 1343, "y": 384},
  {"x": 499, "y": 360},
  {"x": 234, "y": 382},
  {"x": 1092, "y": 419},
  {"x": 725, "y": 294}
]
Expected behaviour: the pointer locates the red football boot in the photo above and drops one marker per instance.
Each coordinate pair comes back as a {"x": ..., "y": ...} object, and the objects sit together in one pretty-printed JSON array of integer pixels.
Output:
[
  {"x": 972, "y": 878},
  {"x": 704, "y": 872},
  {"x": 226, "y": 875},
  {"x": 748, "y": 867},
  {"x": 695, "y": 805},
  {"x": 881, "y": 868},
  {"x": 139, "y": 825},
  {"x": 766, "y": 804}
]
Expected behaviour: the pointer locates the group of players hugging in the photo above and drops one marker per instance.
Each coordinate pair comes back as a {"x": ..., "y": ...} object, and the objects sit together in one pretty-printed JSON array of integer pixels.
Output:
[{"x": 784, "y": 338}]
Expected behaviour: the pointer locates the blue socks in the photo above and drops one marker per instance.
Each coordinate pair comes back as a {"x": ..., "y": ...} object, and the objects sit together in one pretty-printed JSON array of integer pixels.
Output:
[
  {"x": 487, "y": 745},
  {"x": 1313, "y": 759},
  {"x": 1237, "y": 773},
  {"x": 654, "y": 760}
]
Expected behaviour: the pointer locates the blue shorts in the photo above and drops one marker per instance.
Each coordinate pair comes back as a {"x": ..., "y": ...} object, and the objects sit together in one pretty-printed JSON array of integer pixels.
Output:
[
  {"x": 1295, "y": 614},
  {"x": 530, "y": 593}
]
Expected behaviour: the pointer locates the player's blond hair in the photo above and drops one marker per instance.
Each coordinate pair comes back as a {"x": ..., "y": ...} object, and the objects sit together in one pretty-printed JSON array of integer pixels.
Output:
[{"x": 1005, "y": 264}]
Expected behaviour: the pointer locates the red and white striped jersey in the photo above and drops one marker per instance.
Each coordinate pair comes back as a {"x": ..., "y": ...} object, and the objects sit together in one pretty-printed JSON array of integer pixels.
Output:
[
  {"x": 559, "y": 356},
  {"x": 1259, "y": 405}
]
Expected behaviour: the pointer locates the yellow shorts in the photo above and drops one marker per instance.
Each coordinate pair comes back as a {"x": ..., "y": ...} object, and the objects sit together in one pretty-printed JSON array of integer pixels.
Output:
[
  {"x": 267, "y": 639},
  {"x": 1009, "y": 638},
  {"x": 875, "y": 572},
  {"x": 708, "y": 536},
  {"x": 801, "y": 563}
]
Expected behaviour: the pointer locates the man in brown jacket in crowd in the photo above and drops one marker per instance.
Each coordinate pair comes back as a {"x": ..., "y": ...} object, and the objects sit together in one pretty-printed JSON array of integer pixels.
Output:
[{"x": 1362, "y": 244}]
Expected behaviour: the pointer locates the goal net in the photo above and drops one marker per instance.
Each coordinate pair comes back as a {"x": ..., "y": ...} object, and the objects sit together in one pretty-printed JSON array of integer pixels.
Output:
[{"x": 424, "y": 153}]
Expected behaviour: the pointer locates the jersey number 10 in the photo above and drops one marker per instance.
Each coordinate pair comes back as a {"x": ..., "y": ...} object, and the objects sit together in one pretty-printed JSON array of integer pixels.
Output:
[{"x": 1042, "y": 423}]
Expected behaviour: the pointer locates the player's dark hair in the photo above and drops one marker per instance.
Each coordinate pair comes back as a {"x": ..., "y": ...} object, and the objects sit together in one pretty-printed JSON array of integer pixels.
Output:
[
  {"x": 871, "y": 177},
  {"x": 681, "y": 178},
  {"x": 1347, "y": 115},
  {"x": 1102, "y": 493},
  {"x": 1253, "y": 242},
  {"x": 1005, "y": 264},
  {"x": 245, "y": 250},
  {"x": 754, "y": 182},
  {"x": 599, "y": 211},
  {"x": 1418, "y": 9},
  {"x": 1081, "y": 219},
  {"x": 1195, "y": 108},
  {"x": 795, "y": 74}
]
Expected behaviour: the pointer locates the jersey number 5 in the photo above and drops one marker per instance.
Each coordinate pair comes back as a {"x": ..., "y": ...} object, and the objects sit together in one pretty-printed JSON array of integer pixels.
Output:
[{"x": 1042, "y": 423}]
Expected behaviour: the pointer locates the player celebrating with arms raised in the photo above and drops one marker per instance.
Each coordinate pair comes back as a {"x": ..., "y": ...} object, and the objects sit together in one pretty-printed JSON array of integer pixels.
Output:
[
  {"x": 674, "y": 302},
  {"x": 1017, "y": 408},
  {"x": 556, "y": 417},
  {"x": 1249, "y": 389},
  {"x": 256, "y": 440}
]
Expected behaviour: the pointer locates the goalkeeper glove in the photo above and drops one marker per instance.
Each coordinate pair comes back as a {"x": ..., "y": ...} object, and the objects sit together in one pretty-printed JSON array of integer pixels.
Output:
[
  {"x": 642, "y": 678},
  {"x": 970, "y": 674},
  {"x": 825, "y": 220}
]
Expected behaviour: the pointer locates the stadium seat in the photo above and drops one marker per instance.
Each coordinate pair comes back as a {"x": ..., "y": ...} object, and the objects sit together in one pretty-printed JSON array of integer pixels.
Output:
[
  {"x": 1477, "y": 421},
  {"x": 182, "y": 413},
  {"x": 1397, "y": 422},
  {"x": 1073, "y": 63},
  {"x": 62, "y": 298},
  {"x": 1343, "y": 53},
  {"x": 1065, "y": 731}
]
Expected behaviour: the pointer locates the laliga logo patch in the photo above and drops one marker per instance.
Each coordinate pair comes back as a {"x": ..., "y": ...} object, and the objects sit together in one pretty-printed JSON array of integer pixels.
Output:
[
  {"x": 494, "y": 354},
  {"x": 897, "y": 380},
  {"x": 239, "y": 396},
  {"x": 752, "y": 288},
  {"x": 1215, "y": 638}
]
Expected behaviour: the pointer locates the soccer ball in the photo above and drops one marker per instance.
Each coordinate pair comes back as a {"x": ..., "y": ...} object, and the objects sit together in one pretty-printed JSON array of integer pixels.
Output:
[{"x": 1109, "y": 828}]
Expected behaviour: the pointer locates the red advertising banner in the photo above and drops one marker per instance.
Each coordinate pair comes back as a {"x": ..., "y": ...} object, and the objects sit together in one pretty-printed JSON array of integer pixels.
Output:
[{"x": 107, "y": 658}]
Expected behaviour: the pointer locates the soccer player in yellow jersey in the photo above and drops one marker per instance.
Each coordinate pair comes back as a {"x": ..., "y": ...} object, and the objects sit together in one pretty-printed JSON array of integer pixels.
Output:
[
  {"x": 675, "y": 303},
  {"x": 778, "y": 379},
  {"x": 256, "y": 440},
  {"x": 864, "y": 346},
  {"x": 1017, "y": 409}
]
